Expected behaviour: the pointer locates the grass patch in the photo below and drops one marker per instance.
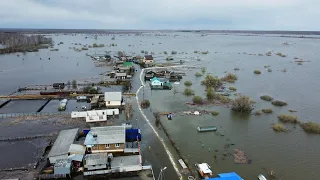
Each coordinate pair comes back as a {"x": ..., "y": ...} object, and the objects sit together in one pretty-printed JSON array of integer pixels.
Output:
[
  {"x": 198, "y": 74},
  {"x": 242, "y": 104},
  {"x": 232, "y": 88},
  {"x": 197, "y": 99},
  {"x": 188, "y": 83},
  {"x": 203, "y": 69},
  {"x": 214, "y": 113},
  {"x": 311, "y": 127},
  {"x": 279, "y": 103},
  {"x": 258, "y": 113},
  {"x": 281, "y": 55},
  {"x": 145, "y": 104},
  {"x": 285, "y": 118},
  {"x": 266, "y": 98},
  {"x": 188, "y": 92},
  {"x": 267, "y": 111},
  {"x": 279, "y": 128},
  {"x": 269, "y": 70},
  {"x": 292, "y": 110},
  {"x": 231, "y": 78},
  {"x": 257, "y": 71}
]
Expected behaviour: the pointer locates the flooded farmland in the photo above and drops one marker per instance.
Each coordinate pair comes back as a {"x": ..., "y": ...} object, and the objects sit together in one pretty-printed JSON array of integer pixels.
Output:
[{"x": 292, "y": 155}]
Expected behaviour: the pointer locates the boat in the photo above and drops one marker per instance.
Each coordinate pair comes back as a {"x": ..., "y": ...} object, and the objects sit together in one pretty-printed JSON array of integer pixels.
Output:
[
  {"x": 204, "y": 170},
  {"x": 79, "y": 98},
  {"x": 207, "y": 128},
  {"x": 261, "y": 177}
]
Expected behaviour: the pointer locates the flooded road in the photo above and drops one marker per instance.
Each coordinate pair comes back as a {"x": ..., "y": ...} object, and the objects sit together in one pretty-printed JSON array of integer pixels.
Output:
[{"x": 292, "y": 155}]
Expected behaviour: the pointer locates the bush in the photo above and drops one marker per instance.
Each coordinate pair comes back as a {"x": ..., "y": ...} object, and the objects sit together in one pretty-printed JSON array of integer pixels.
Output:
[
  {"x": 74, "y": 84},
  {"x": 188, "y": 83},
  {"x": 204, "y": 52},
  {"x": 279, "y": 103},
  {"x": 211, "y": 81},
  {"x": 268, "y": 53},
  {"x": 211, "y": 95},
  {"x": 165, "y": 52},
  {"x": 198, "y": 74},
  {"x": 258, "y": 113},
  {"x": 267, "y": 111},
  {"x": 215, "y": 113},
  {"x": 279, "y": 128},
  {"x": 242, "y": 104},
  {"x": 90, "y": 90},
  {"x": 236, "y": 69},
  {"x": 197, "y": 100},
  {"x": 84, "y": 49},
  {"x": 173, "y": 52},
  {"x": 142, "y": 51},
  {"x": 288, "y": 119},
  {"x": 292, "y": 110},
  {"x": 300, "y": 63},
  {"x": 230, "y": 78},
  {"x": 281, "y": 55},
  {"x": 188, "y": 92},
  {"x": 232, "y": 88},
  {"x": 257, "y": 71},
  {"x": 266, "y": 98},
  {"x": 145, "y": 104},
  {"x": 203, "y": 69},
  {"x": 311, "y": 127},
  {"x": 269, "y": 70},
  {"x": 195, "y": 51}
]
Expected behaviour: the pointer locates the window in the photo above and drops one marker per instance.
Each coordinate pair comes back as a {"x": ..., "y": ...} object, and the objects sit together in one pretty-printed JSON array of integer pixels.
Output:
[
  {"x": 107, "y": 145},
  {"x": 117, "y": 145},
  {"x": 108, "y": 102}
]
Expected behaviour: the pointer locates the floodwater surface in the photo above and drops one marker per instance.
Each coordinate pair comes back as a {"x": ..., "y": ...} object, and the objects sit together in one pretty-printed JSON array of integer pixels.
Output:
[{"x": 292, "y": 155}]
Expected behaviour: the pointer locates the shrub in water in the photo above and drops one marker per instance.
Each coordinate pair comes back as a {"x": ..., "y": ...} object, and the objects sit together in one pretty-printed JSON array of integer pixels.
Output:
[
  {"x": 188, "y": 83},
  {"x": 266, "y": 98},
  {"x": 279, "y": 103},
  {"x": 188, "y": 92},
  {"x": 285, "y": 118},
  {"x": 198, "y": 74},
  {"x": 257, "y": 71},
  {"x": 279, "y": 128},
  {"x": 311, "y": 127},
  {"x": 230, "y": 78},
  {"x": 242, "y": 104},
  {"x": 145, "y": 103},
  {"x": 197, "y": 100}
]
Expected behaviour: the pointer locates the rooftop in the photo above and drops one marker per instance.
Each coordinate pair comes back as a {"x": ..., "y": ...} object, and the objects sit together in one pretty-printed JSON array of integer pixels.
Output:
[
  {"x": 121, "y": 74},
  {"x": 64, "y": 140},
  {"x": 127, "y": 64},
  {"x": 205, "y": 168},
  {"x": 77, "y": 149},
  {"x": 96, "y": 159},
  {"x": 148, "y": 57},
  {"x": 227, "y": 176},
  {"x": 112, "y": 96},
  {"x": 62, "y": 163},
  {"x": 106, "y": 135}
]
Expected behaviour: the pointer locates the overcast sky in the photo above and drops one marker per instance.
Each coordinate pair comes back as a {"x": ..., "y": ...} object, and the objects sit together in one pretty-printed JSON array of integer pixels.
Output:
[{"x": 162, "y": 14}]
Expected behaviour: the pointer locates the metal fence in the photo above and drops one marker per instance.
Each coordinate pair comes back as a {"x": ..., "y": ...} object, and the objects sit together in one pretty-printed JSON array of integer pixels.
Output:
[{"x": 9, "y": 115}]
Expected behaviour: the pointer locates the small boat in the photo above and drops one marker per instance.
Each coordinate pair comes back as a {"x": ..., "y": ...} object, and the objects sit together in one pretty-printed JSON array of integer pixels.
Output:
[
  {"x": 207, "y": 128},
  {"x": 261, "y": 177},
  {"x": 204, "y": 170}
]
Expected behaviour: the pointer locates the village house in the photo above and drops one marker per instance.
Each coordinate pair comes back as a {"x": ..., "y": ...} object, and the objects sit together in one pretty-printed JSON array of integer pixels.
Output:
[
  {"x": 148, "y": 59},
  {"x": 121, "y": 76},
  {"x": 105, "y": 139},
  {"x": 159, "y": 83},
  {"x": 113, "y": 99},
  {"x": 60, "y": 148},
  {"x": 95, "y": 115}
]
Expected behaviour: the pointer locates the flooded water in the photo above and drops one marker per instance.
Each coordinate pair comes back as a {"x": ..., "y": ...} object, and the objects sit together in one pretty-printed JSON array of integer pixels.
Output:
[{"x": 292, "y": 155}]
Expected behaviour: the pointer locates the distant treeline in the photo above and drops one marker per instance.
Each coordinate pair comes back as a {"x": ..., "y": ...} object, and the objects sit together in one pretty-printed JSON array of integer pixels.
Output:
[{"x": 18, "y": 40}]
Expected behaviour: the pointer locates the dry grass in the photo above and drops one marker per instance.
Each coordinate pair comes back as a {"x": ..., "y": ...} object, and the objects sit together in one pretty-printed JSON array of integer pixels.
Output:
[
  {"x": 285, "y": 118},
  {"x": 257, "y": 71},
  {"x": 279, "y": 103},
  {"x": 311, "y": 127},
  {"x": 267, "y": 111},
  {"x": 242, "y": 104},
  {"x": 258, "y": 113},
  {"x": 279, "y": 128},
  {"x": 145, "y": 104},
  {"x": 231, "y": 88},
  {"x": 215, "y": 113},
  {"x": 198, "y": 74},
  {"x": 266, "y": 98},
  {"x": 231, "y": 78},
  {"x": 281, "y": 55}
]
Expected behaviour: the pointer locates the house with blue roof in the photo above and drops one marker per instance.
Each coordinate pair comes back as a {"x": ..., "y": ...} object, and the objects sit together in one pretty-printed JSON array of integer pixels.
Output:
[
  {"x": 160, "y": 83},
  {"x": 227, "y": 176}
]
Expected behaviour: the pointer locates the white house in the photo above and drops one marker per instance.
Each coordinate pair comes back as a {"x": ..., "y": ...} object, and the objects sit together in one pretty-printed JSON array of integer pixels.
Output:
[
  {"x": 156, "y": 82},
  {"x": 95, "y": 115},
  {"x": 113, "y": 99}
]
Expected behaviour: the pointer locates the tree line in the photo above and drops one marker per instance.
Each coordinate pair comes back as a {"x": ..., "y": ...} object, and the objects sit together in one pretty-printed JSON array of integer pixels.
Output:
[{"x": 18, "y": 40}]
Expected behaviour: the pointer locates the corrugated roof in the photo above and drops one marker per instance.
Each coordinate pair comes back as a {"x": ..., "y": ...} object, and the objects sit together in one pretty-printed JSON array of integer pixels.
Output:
[
  {"x": 148, "y": 57},
  {"x": 121, "y": 74},
  {"x": 112, "y": 96},
  {"x": 96, "y": 159},
  {"x": 127, "y": 64},
  {"x": 106, "y": 135},
  {"x": 77, "y": 148},
  {"x": 63, "y": 142},
  {"x": 227, "y": 176},
  {"x": 76, "y": 157}
]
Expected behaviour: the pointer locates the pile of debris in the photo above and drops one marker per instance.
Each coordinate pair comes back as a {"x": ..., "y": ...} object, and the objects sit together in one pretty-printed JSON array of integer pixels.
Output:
[{"x": 240, "y": 157}]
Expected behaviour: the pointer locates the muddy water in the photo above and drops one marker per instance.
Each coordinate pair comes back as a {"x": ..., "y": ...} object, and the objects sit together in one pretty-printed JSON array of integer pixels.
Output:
[{"x": 292, "y": 155}]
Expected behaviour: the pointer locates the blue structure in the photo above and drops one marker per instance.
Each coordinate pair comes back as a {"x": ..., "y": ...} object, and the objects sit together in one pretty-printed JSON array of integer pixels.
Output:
[
  {"x": 132, "y": 134},
  {"x": 227, "y": 176}
]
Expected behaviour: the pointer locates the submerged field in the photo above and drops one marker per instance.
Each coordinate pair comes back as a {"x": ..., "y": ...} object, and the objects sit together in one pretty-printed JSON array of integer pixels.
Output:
[{"x": 263, "y": 66}]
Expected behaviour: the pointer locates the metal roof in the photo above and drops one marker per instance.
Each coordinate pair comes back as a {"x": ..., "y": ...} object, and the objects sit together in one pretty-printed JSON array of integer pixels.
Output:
[
  {"x": 63, "y": 142},
  {"x": 76, "y": 157},
  {"x": 121, "y": 74},
  {"x": 77, "y": 148},
  {"x": 96, "y": 159},
  {"x": 106, "y": 135},
  {"x": 227, "y": 176},
  {"x": 63, "y": 163},
  {"x": 112, "y": 96},
  {"x": 205, "y": 168}
]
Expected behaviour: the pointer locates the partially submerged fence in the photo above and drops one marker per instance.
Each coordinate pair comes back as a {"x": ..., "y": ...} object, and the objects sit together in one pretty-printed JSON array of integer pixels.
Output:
[{"x": 36, "y": 114}]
